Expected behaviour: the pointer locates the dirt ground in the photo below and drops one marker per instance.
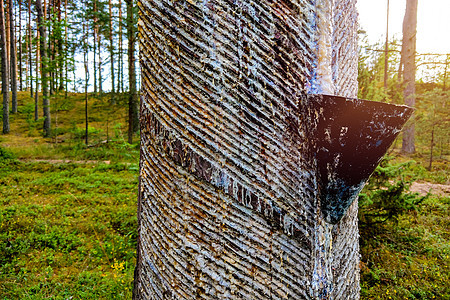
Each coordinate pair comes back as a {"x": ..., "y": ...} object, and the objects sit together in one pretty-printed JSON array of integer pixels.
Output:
[{"x": 424, "y": 187}]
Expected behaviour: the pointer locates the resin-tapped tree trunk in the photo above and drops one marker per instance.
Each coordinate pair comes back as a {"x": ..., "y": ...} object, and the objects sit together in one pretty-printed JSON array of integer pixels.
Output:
[{"x": 249, "y": 172}]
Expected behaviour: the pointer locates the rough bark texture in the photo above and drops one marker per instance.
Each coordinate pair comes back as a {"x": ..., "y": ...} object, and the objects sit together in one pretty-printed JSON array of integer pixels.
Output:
[
  {"x": 5, "y": 69},
  {"x": 409, "y": 72},
  {"x": 230, "y": 204}
]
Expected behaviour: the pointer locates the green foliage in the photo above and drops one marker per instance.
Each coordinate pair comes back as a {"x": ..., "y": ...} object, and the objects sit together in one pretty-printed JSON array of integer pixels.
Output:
[
  {"x": 404, "y": 238},
  {"x": 433, "y": 121},
  {"x": 384, "y": 197},
  {"x": 67, "y": 230},
  {"x": 371, "y": 72},
  {"x": 6, "y": 155},
  {"x": 80, "y": 133}
]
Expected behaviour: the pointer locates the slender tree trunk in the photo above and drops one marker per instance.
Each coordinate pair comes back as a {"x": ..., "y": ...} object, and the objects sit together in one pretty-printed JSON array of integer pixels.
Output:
[
  {"x": 13, "y": 59},
  {"x": 386, "y": 50},
  {"x": 430, "y": 164},
  {"x": 61, "y": 57},
  {"x": 120, "y": 58},
  {"x": 132, "y": 98},
  {"x": 66, "y": 51},
  {"x": 94, "y": 60},
  {"x": 73, "y": 72},
  {"x": 111, "y": 49},
  {"x": 5, "y": 70},
  {"x": 100, "y": 79},
  {"x": 30, "y": 60},
  {"x": 86, "y": 76},
  {"x": 43, "y": 47},
  {"x": 20, "y": 47},
  {"x": 409, "y": 73},
  {"x": 51, "y": 54},
  {"x": 8, "y": 39},
  {"x": 36, "y": 93},
  {"x": 94, "y": 31}
]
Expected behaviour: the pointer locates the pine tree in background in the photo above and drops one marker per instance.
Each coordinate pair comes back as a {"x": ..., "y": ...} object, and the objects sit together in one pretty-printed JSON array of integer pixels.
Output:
[
  {"x": 111, "y": 52},
  {"x": 44, "y": 79},
  {"x": 30, "y": 60},
  {"x": 12, "y": 53},
  {"x": 409, "y": 73},
  {"x": 133, "y": 109},
  {"x": 5, "y": 69}
]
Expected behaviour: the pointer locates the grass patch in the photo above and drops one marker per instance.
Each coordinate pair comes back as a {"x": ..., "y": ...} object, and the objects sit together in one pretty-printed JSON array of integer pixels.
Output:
[
  {"x": 405, "y": 240},
  {"x": 67, "y": 230}
]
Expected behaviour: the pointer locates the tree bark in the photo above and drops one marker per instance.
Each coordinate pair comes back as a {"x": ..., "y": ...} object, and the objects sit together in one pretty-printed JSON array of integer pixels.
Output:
[
  {"x": 61, "y": 56},
  {"x": 409, "y": 72},
  {"x": 20, "y": 47},
  {"x": 100, "y": 78},
  {"x": 5, "y": 70},
  {"x": 111, "y": 52},
  {"x": 36, "y": 93},
  {"x": 13, "y": 59},
  {"x": 86, "y": 76},
  {"x": 66, "y": 51},
  {"x": 30, "y": 58},
  {"x": 44, "y": 79},
  {"x": 120, "y": 54},
  {"x": 94, "y": 31},
  {"x": 229, "y": 203},
  {"x": 133, "y": 106}
]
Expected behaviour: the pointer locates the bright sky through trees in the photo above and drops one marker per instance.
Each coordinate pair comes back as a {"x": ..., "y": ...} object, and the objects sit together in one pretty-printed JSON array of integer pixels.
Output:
[{"x": 433, "y": 22}]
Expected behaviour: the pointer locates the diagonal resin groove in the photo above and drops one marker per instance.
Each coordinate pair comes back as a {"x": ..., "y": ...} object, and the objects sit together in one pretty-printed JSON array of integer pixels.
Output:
[{"x": 231, "y": 188}]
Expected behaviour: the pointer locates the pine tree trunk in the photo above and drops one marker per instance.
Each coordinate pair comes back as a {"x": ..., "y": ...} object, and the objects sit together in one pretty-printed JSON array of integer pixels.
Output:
[
  {"x": 120, "y": 54},
  {"x": 44, "y": 79},
  {"x": 13, "y": 59},
  {"x": 36, "y": 93},
  {"x": 94, "y": 31},
  {"x": 30, "y": 49},
  {"x": 66, "y": 52},
  {"x": 20, "y": 47},
  {"x": 100, "y": 79},
  {"x": 86, "y": 76},
  {"x": 61, "y": 56},
  {"x": 229, "y": 203},
  {"x": 8, "y": 38},
  {"x": 5, "y": 70},
  {"x": 133, "y": 108},
  {"x": 409, "y": 72},
  {"x": 51, "y": 56},
  {"x": 111, "y": 51}
]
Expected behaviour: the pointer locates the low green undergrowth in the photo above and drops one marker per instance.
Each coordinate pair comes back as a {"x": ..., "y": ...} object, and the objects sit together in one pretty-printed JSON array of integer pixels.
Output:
[
  {"x": 67, "y": 231},
  {"x": 405, "y": 241}
]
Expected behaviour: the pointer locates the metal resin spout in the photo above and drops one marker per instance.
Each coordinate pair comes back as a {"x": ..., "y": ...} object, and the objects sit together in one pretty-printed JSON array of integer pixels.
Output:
[{"x": 351, "y": 137}]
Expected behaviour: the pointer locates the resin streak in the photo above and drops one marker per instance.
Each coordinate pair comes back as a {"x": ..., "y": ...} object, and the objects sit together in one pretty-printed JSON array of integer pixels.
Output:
[{"x": 229, "y": 188}]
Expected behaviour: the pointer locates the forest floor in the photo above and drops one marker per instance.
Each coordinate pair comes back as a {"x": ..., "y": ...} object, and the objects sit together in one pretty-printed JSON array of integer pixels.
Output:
[
  {"x": 68, "y": 213},
  {"x": 423, "y": 188}
]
